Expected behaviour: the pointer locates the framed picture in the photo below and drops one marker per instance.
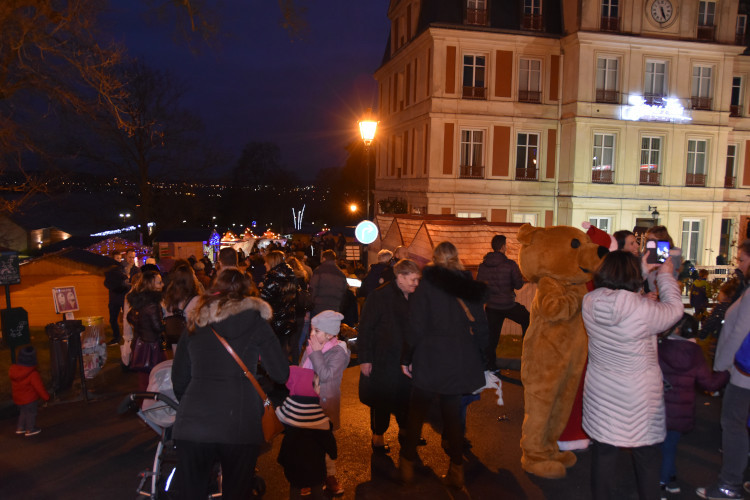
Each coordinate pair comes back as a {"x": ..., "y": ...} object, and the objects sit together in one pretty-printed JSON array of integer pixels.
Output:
[{"x": 65, "y": 299}]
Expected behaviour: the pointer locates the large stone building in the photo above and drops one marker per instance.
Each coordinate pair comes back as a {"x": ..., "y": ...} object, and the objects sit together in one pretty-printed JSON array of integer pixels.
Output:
[{"x": 619, "y": 112}]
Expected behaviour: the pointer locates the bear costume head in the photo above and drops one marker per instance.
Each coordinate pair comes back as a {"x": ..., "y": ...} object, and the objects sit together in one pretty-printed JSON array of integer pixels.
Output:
[{"x": 563, "y": 253}]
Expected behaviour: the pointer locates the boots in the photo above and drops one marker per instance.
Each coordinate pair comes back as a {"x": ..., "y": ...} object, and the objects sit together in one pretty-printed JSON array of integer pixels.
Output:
[
  {"x": 406, "y": 470},
  {"x": 455, "y": 476}
]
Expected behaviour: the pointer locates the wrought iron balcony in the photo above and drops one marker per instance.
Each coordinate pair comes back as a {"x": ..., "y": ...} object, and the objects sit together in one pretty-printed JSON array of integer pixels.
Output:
[
  {"x": 695, "y": 180},
  {"x": 610, "y": 24},
  {"x": 700, "y": 103},
  {"x": 739, "y": 39},
  {"x": 534, "y": 96},
  {"x": 526, "y": 174},
  {"x": 471, "y": 172},
  {"x": 735, "y": 110},
  {"x": 610, "y": 96},
  {"x": 476, "y": 16},
  {"x": 730, "y": 182},
  {"x": 475, "y": 93},
  {"x": 532, "y": 22},
  {"x": 705, "y": 33},
  {"x": 602, "y": 176},
  {"x": 650, "y": 178}
]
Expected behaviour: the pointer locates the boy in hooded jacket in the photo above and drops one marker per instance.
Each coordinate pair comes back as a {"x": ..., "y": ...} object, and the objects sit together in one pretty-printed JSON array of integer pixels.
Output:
[{"x": 27, "y": 388}]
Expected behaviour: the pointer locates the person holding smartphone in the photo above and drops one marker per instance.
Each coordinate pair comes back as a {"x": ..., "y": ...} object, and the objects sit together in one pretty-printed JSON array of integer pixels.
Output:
[{"x": 660, "y": 234}]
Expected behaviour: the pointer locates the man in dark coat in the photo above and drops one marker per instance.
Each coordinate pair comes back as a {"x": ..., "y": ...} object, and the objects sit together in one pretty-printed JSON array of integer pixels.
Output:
[
  {"x": 328, "y": 285},
  {"x": 382, "y": 330},
  {"x": 503, "y": 277},
  {"x": 118, "y": 285},
  {"x": 374, "y": 276}
]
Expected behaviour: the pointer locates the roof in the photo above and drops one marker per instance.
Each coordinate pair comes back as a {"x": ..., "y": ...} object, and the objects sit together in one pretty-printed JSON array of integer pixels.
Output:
[
  {"x": 183, "y": 235},
  {"x": 76, "y": 255}
]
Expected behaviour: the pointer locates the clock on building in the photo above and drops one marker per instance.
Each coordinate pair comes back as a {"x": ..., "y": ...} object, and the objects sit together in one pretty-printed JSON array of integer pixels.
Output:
[{"x": 662, "y": 11}]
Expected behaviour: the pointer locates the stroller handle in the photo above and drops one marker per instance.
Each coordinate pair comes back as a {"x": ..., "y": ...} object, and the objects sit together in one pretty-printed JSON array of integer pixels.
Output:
[{"x": 131, "y": 398}]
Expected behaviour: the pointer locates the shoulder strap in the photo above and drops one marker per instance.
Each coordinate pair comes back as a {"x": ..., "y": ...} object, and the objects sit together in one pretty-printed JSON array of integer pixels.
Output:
[
  {"x": 468, "y": 314},
  {"x": 247, "y": 372}
]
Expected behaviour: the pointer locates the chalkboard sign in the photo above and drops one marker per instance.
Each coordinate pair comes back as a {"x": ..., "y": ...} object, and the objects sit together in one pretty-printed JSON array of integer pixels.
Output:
[
  {"x": 9, "y": 273},
  {"x": 15, "y": 324}
]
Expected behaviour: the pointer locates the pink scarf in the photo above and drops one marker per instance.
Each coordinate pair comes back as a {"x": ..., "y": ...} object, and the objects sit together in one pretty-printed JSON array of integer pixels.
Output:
[{"x": 326, "y": 347}]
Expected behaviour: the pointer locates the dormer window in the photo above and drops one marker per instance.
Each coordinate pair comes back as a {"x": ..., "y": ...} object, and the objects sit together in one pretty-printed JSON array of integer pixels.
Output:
[
  {"x": 532, "y": 15},
  {"x": 610, "y": 15},
  {"x": 706, "y": 16},
  {"x": 476, "y": 12}
]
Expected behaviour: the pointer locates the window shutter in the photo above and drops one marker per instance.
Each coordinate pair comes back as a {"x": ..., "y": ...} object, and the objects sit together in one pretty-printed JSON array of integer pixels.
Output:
[
  {"x": 746, "y": 174},
  {"x": 448, "y": 149},
  {"x": 551, "y": 151},
  {"x": 450, "y": 70},
  {"x": 554, "y": 78},
  {"x": 500, "y": 151},
  {"x": 503, "y": 73},
  {"x": 499, "y": 215}
]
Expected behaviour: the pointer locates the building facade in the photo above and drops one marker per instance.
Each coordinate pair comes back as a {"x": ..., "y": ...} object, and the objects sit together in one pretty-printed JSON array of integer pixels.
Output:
[{"x": 624, "y": 113}]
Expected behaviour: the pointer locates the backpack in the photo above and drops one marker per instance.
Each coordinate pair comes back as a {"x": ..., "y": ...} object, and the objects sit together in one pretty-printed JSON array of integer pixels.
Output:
[{"x": 742, "y": 357}]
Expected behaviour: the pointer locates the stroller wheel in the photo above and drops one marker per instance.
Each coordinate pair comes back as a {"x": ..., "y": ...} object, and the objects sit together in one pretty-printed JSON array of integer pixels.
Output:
[{"x": 259, "y": 487}]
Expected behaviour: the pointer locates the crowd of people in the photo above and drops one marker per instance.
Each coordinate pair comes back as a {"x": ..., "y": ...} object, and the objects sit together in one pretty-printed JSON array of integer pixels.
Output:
[{"x": 424, "y": 334}]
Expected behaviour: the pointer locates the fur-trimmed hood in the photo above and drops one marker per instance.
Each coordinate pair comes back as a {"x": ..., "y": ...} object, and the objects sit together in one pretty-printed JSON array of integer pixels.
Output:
[
  {"x": 457, "y": 283},
  {"x": 212, "y": 313}
]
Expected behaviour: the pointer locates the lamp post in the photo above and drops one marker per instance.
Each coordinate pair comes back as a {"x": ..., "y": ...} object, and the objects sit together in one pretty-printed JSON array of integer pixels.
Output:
[
  {"x": 654, "y": 214},
  {"x": 367, "y": 127}
]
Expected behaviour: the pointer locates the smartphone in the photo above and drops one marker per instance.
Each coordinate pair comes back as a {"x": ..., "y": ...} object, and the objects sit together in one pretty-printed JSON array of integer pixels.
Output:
[{"x": 658, "y": 251}]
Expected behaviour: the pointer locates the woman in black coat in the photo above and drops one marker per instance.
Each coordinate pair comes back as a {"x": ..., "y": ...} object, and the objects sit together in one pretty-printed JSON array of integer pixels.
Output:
[
  {"x": 444, "y": 355},
  {"x": 146, "y": 319},
  {"x": 219, "y": 417},
  {"x": 279, "y": 289},
  {"x": 381, "y": 334}
]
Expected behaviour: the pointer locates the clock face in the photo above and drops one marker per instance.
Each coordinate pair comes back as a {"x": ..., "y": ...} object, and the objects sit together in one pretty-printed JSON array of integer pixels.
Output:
[{"x": 662, "y": 11}]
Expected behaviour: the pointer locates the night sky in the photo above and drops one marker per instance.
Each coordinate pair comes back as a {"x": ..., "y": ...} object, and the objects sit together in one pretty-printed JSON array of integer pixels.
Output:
[{"x": 305, "y": 94}]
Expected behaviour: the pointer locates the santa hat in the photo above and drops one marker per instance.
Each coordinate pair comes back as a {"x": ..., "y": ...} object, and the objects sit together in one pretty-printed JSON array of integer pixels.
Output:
[{"x": 600, "y": 237}]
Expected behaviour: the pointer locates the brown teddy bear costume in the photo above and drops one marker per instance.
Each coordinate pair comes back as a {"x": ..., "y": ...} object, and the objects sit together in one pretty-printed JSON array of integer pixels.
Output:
[{"x": 560, "y": 259}]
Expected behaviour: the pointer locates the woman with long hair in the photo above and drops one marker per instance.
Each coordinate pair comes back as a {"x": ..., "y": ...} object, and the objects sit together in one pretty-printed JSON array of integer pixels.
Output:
[
  {"x": 180, "y": 297},
  {"x": 219, "y": 417},
  {"x": 623, "y": 396},
  {"x": 146, "y": 320},
  {"x": 443, "y": 354},
  {"x": 280, "y": 291}
]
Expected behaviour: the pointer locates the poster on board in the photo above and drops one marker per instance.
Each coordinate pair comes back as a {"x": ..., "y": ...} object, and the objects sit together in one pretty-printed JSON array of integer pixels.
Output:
[
  {"x": 65, "y": 299},
  {"x": 9, "y": 271}
]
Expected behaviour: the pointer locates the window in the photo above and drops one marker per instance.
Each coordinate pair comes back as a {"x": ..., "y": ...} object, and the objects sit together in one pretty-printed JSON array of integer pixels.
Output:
[
  {"x": 527, "y": 218},
  {"x": 603, "y": 223},
  {"x": 603, "y": 167},
  {"x": 470, "y": 215},
  {"x": 691, "y": 232},
  {"x": 706, "y": 14},
  {"x": 729, "y": 176},
  {"x": 655, "y": 86},
  {"x": 474, "y": 71},
  {"x": 472, "y": 146},
  {"x": 650, "y": 160},
  {"x": 532, "y": 15},
  {"x": 606, "y": 80},
  {"x": 527, "y": 152},
  {"x": 701, "y": 96},
  {"x": 741, "y": 29},
  {"x": 696, "y": 163},
  {"x": 735, "y": 105},
  {"x": 476, "y": 12},
  {"x": 530, "y": 80},
  {"x": 610, "y": 15}
]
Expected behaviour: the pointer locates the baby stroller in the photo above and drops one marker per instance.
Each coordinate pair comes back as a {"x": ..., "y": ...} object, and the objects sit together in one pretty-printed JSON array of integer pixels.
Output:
[{"x": 158, "y": 412}]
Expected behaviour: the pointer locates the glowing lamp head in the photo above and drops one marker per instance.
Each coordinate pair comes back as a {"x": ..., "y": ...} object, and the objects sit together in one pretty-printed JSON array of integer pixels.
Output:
[
  {"x": 353, "y": 208},
  {"x": 367, "y": 127}
]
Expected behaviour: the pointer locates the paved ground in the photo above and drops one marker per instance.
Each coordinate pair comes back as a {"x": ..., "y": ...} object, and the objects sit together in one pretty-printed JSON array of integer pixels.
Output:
[{"x": 88, "y": 451}]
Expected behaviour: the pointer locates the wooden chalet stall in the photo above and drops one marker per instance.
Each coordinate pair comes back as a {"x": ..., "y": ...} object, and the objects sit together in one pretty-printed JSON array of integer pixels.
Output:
[
  {"x": 182, "y": 243},
  {"x": 70, "y": 267}
]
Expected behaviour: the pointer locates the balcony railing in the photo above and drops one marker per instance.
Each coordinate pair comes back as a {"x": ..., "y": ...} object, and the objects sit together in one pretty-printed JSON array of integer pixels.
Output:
[
  {"x": 526, "y": 174},
  {"x": 653, "y": 99},
  {"x": 650, "y": 178},
  {"x": 610, "y": 96},
  {"x": 735, "y": 110},
  {"x": 534, "y": 96},
  {"x": 739, "y": 39},
  {"x": 532, "y": 22},
  {"x": 476, "y": 16},
  {"x": 471, "y": 172},
  {"x": 475, "y": 93},
  {"x": 700, "y": 103},
  {"x": 705, "y": 33},
  {"x": 695, "y": 180},
  {"x": 602, "y": 176},
  {"x": 610, "y": 24},
  {"x": 730, "y": 181}
]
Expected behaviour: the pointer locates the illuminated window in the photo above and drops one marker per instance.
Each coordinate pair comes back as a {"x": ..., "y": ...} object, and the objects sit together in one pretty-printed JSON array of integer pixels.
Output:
[
  {"x": 603, "y": 223},
  {"x": 472, "y": 150},
  {"x": 530, "y": 80},
  {"x": 650, "y": 160},
  {"x": 655, "y": 85},
  {"x": 691, "y": 234},
  {"x": 604, "y": 159},
  {"x": 527, "y": 152},
  {"x": 606, "y": 79},
  {"x": 696, "y": 163},
  {"x": 474, "y": 71}
]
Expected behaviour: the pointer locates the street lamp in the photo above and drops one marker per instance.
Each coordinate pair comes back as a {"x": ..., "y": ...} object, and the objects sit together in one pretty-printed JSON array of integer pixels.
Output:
[
  {"x": 654, "y": 214},
  {"x": 367, "y": 127}
]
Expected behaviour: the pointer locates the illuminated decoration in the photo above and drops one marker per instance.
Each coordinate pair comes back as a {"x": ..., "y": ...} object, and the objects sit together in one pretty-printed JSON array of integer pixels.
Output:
[
  {"x": 214, "y": 239},
  {"x": 248, "y": 234},
  {"x": 366, "y": 232},
  {"x": 229, "y": 236},
  {"x": 120, "y": 231},
  {"x": 670, "y": 111},
  {"x": 297, "y": 218}
]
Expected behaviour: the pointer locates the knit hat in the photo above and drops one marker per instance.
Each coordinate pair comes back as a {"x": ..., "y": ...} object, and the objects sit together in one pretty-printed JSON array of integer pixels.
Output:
[
  {"x": 328, "y": 321},
  {"x": 27, "y": 356},
  {"x": 300, "y": 382},
  {"x": 304, "y": 413}
]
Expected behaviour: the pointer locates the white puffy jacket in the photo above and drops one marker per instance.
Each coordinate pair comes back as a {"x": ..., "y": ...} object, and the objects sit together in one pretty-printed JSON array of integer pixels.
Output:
[{"x": 623, "y": 396}]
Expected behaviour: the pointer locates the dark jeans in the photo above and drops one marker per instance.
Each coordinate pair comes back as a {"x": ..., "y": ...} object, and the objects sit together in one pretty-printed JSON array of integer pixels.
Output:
[
  {"x": 195, "y": 463},
  {"x": 495, "y": 319},
  {"x": 734, "y": 438},
  {"x": 669, "y": 456},
  {"x": 604, "y": 479},
  {"x": 450, "y": 407},
  {"x": 114, "y": 315},
  {"x": 380, "y": 419},
  {"x": 27, "y": 418}
]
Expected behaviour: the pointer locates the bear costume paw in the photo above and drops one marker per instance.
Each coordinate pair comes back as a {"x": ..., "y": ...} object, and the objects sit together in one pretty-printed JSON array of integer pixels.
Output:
[
  {"x": 567, "y": 458},
  {"x": 548, "y": 469}
]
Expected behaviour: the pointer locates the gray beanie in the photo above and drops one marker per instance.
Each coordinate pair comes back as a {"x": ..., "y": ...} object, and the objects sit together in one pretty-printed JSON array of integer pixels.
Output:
[{"x": 328, "y": 321}]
